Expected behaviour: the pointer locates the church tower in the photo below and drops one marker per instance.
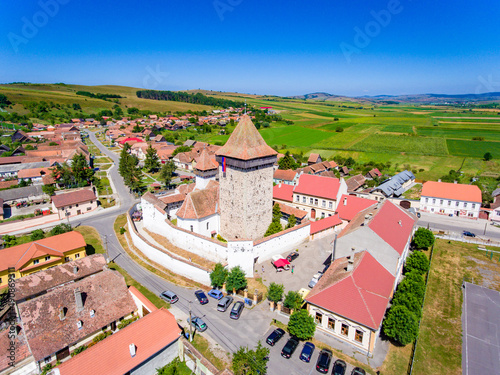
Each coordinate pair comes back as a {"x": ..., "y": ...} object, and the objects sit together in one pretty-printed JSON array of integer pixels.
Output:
[
  {"x": 246, "y": 183},
  {"x": 205, "y": 170}
]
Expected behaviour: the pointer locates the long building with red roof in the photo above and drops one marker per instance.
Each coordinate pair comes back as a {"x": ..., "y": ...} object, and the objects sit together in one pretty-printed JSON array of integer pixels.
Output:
[
  {"x": 350, "y": 300},
  {"x": 447, "y": 198}
]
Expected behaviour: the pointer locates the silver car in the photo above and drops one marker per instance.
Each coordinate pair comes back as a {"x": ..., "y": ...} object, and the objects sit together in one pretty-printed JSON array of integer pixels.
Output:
[{"x": 224, "y": 303}]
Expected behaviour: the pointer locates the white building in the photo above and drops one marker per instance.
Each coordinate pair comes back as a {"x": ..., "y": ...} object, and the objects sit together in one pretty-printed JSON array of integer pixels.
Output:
[{"x": 451, "y": 199}]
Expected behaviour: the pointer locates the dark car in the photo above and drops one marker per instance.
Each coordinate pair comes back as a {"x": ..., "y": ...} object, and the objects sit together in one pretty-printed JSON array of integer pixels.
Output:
[
  {"x": 358, "y": 371},
  {"x": 292, "y": 256},
  {"x": 236, "y": 310},
  {"x": 275, "y": 336},
  {"x": 324, "y": 359},
  {"x": 169, "y": 296},
  {"x": 307, "y": 352},
  {"x": 468, "y": 234},
  {"x": 198, "y": 323},
  {"x": 339, "y": 367},
  {"x": 289, "y": 347},
  {"x": 202, "y": 298}
]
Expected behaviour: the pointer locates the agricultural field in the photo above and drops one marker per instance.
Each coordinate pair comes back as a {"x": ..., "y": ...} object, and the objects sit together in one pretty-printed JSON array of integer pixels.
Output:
[{"x": 474, "y": 149}]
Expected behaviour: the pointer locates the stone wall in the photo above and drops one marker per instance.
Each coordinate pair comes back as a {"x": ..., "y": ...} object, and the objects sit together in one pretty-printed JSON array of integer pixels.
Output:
[{"x": 246, "y": 202}]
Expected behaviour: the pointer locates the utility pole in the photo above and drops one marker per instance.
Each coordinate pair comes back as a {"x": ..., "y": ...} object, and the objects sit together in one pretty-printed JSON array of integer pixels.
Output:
[
  {"x": 190, "y": 323},
  {"x": 485, "y": 225},
  {"x": 106, "y": 242}
]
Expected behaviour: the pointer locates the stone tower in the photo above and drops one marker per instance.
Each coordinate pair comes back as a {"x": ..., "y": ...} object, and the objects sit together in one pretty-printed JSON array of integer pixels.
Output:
[
  {"x": 246, "y": 183},
  {"x": 205, "y": 170}
]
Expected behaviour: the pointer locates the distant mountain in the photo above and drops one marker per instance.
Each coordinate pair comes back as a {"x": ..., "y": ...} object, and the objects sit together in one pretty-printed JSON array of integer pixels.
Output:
[{"x": 416, "y": 98}]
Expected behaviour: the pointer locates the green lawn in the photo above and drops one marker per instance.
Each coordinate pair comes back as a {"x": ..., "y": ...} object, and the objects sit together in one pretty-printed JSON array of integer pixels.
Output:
[{"x": 475, "y": 149}]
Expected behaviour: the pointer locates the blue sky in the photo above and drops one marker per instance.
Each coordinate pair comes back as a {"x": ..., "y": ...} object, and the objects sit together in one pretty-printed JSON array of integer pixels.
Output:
[{"x": 360, "y": 47}]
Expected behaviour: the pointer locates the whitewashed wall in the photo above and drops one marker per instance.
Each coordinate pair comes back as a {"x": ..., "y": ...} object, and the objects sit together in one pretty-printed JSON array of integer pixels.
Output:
[{"x": 265, "y": 249}]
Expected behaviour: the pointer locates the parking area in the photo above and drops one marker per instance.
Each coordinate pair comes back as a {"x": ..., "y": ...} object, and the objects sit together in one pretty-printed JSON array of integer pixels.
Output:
[
  {"x": 313, "y": 256},
  {"x": 293, "y": 365}
]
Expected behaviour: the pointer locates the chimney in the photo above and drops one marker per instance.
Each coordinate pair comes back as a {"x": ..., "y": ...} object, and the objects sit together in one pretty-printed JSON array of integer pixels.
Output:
[
  {"x": 279, "y": 185},
  {"x": 455, "y": 181},
  {"x": 75, "y": 270},
  {"x": 350, "y": 263},
  {"x": 439, "y": 180},
  {"x": 79, "y": 300},
  {"x": 400, "y": 223},
  {"x": 132, "y": 350},
  {"x": 345, "y": 201},
  {"x": 62, "y": 314}
]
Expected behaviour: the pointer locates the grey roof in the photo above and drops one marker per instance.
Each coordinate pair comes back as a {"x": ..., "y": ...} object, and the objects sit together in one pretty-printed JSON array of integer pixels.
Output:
[
  {"x": 481, "y": 330},
  {"x": 18, "y": 167},
  {"x": 21, "y": 193},
  {"x": 495, "y": 192},
  {"x": 394, "y": 186}
]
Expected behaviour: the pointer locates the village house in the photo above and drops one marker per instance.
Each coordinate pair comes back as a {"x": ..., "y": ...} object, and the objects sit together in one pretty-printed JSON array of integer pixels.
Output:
[
  {"x": 314, "y": 159},
  {"x": 451, "y": 199},
  {"x": 394, "y": 186},
  {"x": 74, "y": 203},
  {"x": 350, "y": 300},
  {"x": 287, "y": 177},
  {"x": 355, "y": 183},
  {"x": 31, "y": 257},
  {"x": 495, "y": 206}
]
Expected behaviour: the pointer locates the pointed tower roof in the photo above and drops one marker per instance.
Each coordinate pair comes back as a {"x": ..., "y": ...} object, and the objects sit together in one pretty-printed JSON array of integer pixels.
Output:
[
  {"x": 205, "y": 162},
  {"x": 245, "y": 142}
]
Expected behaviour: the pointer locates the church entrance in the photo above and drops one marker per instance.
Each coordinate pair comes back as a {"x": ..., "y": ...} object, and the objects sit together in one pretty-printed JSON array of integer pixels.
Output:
[{"x": 313, "y": 213}]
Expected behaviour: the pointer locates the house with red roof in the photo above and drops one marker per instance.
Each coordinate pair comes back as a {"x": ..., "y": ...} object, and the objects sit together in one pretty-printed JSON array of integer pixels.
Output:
[
  {"x": 287, "y": 176},
  {"x": 74, "y": 203},
  {"x": 451, "y": 199},
  {"x": 313, "y": 159},
  {"x": 384, "y": 230},
  {"x": 350, "y": 300},
  {"x": 350, "y": 205}
]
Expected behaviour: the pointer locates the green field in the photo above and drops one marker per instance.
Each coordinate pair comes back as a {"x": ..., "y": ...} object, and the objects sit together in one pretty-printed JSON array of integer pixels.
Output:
[
  {"x": 293, "y": 135},
  {"x": 402, "y": 143},
  {"x": 459, "y": 133},
  {"x": 474, "y": 149},
  {"x": 398, "y": 129}
]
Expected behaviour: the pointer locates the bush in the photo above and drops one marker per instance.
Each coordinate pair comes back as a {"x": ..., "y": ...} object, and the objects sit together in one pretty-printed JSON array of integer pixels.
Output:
[
  {"x": 60, "y": 229},
  {"x": 218, "y": 276},
  {"x": 37, "y": 234},
  {"x": 220, "y": 238},
  {"x": 410, "y": 301},
  {"x": 126, "y": 322},
  {"x": 78, "y": 350},
  {"x": 122, "y": 230},
  {"x": 413, "y": 285},
  {"x": 401, "y": 325},
  {"x": 236, "y": 279},
  {"x": 417, "y": 262},
  {"x": 339, "y": 129},
  {"x": 101, "y": 336},
  {"x": 275, "y": 292},
  {"x": 293, "y": 300}
]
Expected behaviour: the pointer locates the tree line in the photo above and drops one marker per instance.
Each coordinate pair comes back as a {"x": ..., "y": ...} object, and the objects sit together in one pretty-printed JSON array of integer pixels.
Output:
[
  {"x": 185, "y": 97},
  {"x": 98, "y": 95}
]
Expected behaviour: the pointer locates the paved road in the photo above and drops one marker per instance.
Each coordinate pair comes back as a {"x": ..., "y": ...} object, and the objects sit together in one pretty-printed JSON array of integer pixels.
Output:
[{"x": 457, "y": 225}]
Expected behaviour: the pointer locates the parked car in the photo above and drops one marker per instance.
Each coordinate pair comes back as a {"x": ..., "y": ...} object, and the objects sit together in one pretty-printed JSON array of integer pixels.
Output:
[
  {"x": 292, "y": 256},
  {"x": 198, "y": 324},
  {"x": 468, "y": 234},
  {"x": 224, "y": 303},
  {"x": 202, "y": 298},
  {"x": 358, "y": 371},
  {"x": 236, "y": 310},
  {"x": 315, "y": 280},
  {"x": 339, "y": 367},
  {"x": 217, "y": 294},
  {"x": 289, "y": 347},
  {"x": 324, "y": 359},
  {"x": 275, "y": 336},
  {"x": 307, "y": 352},
  {"x": 169, "y": 296}
]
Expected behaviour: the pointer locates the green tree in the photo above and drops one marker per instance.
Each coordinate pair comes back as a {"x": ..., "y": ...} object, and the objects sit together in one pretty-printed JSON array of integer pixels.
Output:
[
  {"x": 487, "y": 156},
  {"x": 423, "y": 238},
  {"x": 151, "y": 163},
  {"x": 236, "y": 279},
  {"x": 118, "y": 111},
  {"x": 250, "y": 362},
  {"x": 275, "y": 292},
  {"x": 166, "y": 172},
  {"x": 128, "y": 168},
  {"x": 173, "y": 368},
  {"x": 287, "y": 162},
  {"x": 417, "y": 262},
  {"x": 181, "y": 149},
  {"x": 37, "y": 234},
  {"x": 293, "y": 300},
  {"x": 81, "y": 172},
  {"x": 49, "y": 189},
  {"x": 401, "y": 325},
  {"x": 292, "y": 221},
  {"x": 218, "y": 276},
  {"x": 274, "y": 227},
  {"x": 9, "y": 241},
  {"x": 4, "y": 102},
  {"x": 132, "y": 110},
  {"x": 302, "y": 325},
  {"x": 410, "y": 301},
  {"x": 412, "y": 283},
  {"x": 276, "y": 212},
  {"x": 60, "y": 229}
]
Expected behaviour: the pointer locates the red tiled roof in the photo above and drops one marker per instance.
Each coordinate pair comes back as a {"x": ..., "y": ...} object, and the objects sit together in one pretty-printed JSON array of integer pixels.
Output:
[
  {"x": 18, "y": 256},
  {"x": 350, "y": 205},
  {"x": 393, "y": 225},
  {"x": 205, "y": 162},
  {"x": 318, "y": 186},
  {"x": 245, "y": 142},
  {"x": 132, "y": 139},
  {"x": 447, "y": 190},
  {"x": 6, "y": 184},
  {"x": 174, "y": 198},
  {"x": 361, "y": 295},
  {"x": 355, "y": 182},
  {"x": 322, "y": 224},
  {"x": 286, "y": 175},
  {"x": 283, "y": 192},
  {"x": 200, "y": 203},
  {"x": 74, "y": 197},
  {"x": 34, "y": 172},
  {"x": 313, "y": 158},
  {"x": 112, "y": 356},
  {"x": 300, "y": 214}
]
